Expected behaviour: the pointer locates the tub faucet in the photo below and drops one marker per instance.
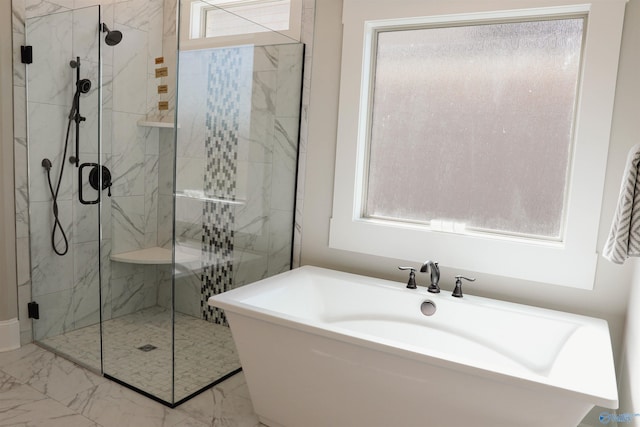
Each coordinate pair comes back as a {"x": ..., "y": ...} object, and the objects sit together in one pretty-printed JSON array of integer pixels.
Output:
[{"x": 431, "y": 266}]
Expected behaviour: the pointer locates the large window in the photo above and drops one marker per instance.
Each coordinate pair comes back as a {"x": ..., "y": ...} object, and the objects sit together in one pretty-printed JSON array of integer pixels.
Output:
[
  {"x": 476, "y": 135},
  {"x": 480, "y": 118}
]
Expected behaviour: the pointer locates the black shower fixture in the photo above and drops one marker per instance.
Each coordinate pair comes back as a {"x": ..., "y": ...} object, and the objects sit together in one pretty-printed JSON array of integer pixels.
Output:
[
  {"x": 84, "y": 85},
  {"x": 113, "y": 37}
]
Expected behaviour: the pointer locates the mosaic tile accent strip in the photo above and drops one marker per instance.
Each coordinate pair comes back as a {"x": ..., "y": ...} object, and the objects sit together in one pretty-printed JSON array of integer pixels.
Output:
[{"x": 221, "y": 148}]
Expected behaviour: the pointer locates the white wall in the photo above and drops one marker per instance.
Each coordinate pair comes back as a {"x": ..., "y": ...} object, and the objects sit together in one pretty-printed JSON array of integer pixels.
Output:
[
  {"x": 8, "y": 289},
  {"x": 629, "y": 372},
  {"x": 627, "y": 111},
  {"x": 607, "y": 300}
]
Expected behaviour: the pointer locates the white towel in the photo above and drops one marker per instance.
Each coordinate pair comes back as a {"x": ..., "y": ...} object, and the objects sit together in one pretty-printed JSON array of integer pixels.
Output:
[{"x": 624, "y": 237}]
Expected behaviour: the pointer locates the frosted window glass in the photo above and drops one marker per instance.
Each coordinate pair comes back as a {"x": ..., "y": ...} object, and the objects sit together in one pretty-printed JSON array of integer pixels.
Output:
[{"x": 473, "y": 124}]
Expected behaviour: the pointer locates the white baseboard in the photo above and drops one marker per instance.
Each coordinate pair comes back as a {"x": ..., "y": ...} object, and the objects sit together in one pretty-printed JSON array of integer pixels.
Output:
[{"x": 9, "y": 335}]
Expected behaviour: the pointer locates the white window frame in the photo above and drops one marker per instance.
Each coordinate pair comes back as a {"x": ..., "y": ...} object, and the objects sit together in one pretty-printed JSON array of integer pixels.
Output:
[
  {"x": 570, "y": 262},
  {"x": 268, "y": 37}
]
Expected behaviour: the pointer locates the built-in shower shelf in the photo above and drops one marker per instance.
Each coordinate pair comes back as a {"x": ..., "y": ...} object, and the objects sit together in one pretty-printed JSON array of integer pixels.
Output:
[
  {"x": 155, "y": 124},
  {"x": 157, "y": 255}
]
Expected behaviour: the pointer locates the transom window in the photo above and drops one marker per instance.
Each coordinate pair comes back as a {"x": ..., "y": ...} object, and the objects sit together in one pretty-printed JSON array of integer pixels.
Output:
[{"x": 213, "y": 23}]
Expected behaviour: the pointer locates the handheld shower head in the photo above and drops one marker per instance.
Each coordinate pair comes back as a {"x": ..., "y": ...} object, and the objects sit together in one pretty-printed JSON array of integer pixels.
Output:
[
  {"x": 84, "y": 85},
  {"x": 113, "y": 37}
]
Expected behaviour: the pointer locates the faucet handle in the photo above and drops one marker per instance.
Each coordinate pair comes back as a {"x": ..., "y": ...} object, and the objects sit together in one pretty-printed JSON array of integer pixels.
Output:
[
  {"x": 457, "y": 291},
  {"x": 411, "y": 284}
]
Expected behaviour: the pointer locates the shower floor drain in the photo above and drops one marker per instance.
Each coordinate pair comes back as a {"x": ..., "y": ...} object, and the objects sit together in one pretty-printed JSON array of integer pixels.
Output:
[{"x": 147, "y": 347}]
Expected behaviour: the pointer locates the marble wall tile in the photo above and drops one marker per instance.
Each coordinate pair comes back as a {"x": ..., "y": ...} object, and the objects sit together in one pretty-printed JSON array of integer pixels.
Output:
[
  {"x": 258, "y": 147},
  {"x": 78, "y": 4},
  {"x": 165, "y": 282},
  {"x": 127, "y": 226},
  {"x": 50, "y": 272},
  {"x": 165, "y": 221},
  {"x": 169, "y": 51},
  {"x": 188, "y": 290},
  {"x": 105, "y": 278},
  {"x": 106, "y": 221},
  {"x": 86, "y": 34},
  {"x": 169, "y": 25},
  {"x": 56, "y": 314},
  {"x": 190, "y": 173},
  {"x": 264, "y": 91},
  {"x": 86, "y": 289},
  {"x": 152, "y": 141},
  {"x": 23, "y": 265},
  {"x": 128, "y": 148},
  {"x": 18, "y": 13},
  {"x": 151, "y": 201},
  {"x": 19, "y": 69},
  {"x": 130, "y": 72},
  {"x": 265, "y": 58},
  {"x": 131, "y": 293},
  {"x": 193, "y": 81},
  {"x": 249, "y": 267},
  {"x": 155, "y": 34},
  {"x": 121, "y": 270},
  {"x": 188, "y": 220},
  {"x": 308, "y": 19},
  {"x": 47, "y": 134},
  {"x": 289, "y": 80},
  {"x": 21, "y": 182},
  {"x": 137, "y": 14},
  {"x": 19, "y": 112},
  {"x": 285, "y": 153},
  {"x": 34, "y": 8},
  {"x": 51, "y": 38},
  {"x": 280, "y": 241},
  {"x": 166, "y": 150},
  {"x": 254, "y": 190},
  {"x": 107, "y": 12},
  {"x": 24, "y": 296},
  {"x": 107, "y": 89}
]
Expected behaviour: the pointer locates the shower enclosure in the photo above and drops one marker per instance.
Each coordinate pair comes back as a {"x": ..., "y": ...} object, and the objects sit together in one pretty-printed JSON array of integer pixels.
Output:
[{"x": 168, "y": 184}]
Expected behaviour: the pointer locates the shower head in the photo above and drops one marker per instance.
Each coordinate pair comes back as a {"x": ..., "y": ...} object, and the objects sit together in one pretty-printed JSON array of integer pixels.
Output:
[{"x": 113, "y": 37}]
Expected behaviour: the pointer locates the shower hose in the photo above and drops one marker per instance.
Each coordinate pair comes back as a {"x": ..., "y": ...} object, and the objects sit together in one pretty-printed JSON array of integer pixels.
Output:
[{"x": 46, "y": 163}]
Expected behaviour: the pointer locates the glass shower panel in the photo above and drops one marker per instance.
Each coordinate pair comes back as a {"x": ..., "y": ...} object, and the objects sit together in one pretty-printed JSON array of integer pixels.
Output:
[
  {"x": 137, "y": 328},
  {"x": 64, "y": 110},
  {"x": 236, "y": 155}
]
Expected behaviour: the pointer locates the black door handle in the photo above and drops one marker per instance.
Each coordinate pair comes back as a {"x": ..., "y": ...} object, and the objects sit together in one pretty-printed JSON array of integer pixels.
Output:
[{"x": 80, "y": 185}]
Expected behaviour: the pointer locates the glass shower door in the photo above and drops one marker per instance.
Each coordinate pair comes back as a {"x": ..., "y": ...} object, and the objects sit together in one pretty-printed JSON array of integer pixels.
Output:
[{"x": 63, "y": 110}]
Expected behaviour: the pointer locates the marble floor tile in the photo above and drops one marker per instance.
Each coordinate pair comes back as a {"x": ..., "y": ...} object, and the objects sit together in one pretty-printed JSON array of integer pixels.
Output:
[
  {"x": 41, "y": 413},
  {"x": 220, "y": 407},
  {"x": 91, "y": 400},
  {"x": 14, "y": 394},
  {"x": 52, "y": 375}
]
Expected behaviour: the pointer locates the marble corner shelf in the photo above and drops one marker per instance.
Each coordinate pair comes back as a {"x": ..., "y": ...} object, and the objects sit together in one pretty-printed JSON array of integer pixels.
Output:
[
  {"x": 155, "y": 124},
  {"x": 157, "y": 256}
]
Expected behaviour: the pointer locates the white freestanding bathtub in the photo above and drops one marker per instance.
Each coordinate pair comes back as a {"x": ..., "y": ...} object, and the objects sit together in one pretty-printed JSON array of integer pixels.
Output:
[{"x": 330, "y": 349}]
